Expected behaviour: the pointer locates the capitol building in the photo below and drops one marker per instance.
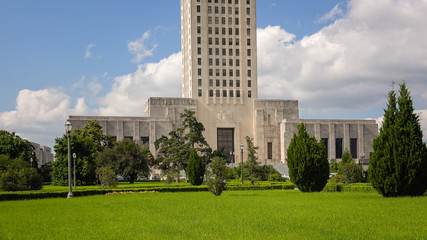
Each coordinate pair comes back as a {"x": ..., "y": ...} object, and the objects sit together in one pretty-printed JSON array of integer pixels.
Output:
[{"x": 219, "y": 83}]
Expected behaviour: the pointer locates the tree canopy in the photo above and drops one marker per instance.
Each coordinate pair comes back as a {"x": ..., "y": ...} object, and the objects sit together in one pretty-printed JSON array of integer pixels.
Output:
[{"x": 398, "y": 166}]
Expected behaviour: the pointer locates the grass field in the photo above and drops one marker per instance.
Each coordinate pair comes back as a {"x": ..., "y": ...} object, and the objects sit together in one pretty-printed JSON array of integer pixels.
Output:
[{"x": 275, "y": 214}]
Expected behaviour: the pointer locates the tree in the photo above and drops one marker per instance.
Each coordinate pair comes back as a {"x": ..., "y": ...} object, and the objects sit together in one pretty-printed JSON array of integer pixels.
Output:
[
  {"x": 173, "y": 152},
  {"x": 348, "y": 168},
  {"x": 86, "y": 143},
  {"x": 107, "y": 177},
  {"x": 398, "y": 166},
  {"x": 307, "y": 162},
  {"x": 15, "y": 147},
  {"x": 216, "y": 177},
  {"x": 252, "y": 165},
  {"x": 195, "y": 169},
  {"x": 127, "y": 158}
]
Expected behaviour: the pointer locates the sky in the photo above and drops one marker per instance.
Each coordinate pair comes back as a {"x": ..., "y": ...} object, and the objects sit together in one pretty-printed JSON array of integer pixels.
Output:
[{"x": 338, "y": 58}]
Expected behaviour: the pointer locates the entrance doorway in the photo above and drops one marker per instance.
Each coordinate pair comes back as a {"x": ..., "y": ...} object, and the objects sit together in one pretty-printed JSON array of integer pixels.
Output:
[{"x": 225, "y": 139}]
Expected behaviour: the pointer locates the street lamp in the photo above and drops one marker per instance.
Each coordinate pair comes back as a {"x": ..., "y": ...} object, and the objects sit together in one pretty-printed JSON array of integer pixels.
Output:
[
  {"x": 68, "y": 128},
  {"x": 74, "y": 157},
  {"x": 232, "y": 158},
  {"x": 241, "y": 165}
]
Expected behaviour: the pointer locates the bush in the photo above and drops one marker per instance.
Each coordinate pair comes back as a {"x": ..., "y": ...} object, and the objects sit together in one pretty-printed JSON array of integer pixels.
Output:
[
  {"x": 195, "y": 169},
  {"x": 107, "y": 177},
  {"x": 20, "y": 180},
  {"x": 307, "y": 162},
  {"x": 216, "y": 178},
  {"x": 276, "y": 177},
  {"x": 338, "y": 179}
]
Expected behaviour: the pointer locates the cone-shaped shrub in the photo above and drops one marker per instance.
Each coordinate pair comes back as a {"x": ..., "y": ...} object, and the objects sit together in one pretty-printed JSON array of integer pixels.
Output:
[
  {"x": 195, "y": 169},
  {"x": 307, "y": 162}
]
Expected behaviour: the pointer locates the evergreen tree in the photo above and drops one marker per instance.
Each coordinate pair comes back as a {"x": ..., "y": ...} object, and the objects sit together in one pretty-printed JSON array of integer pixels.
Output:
[
  {"x": 216, "y": 176},
  {"x": 195, "y": 169},
  {"x": 252, "y": 166},
  {"x": 398, "y": 166},
  {"x": 307, "y": 162}
]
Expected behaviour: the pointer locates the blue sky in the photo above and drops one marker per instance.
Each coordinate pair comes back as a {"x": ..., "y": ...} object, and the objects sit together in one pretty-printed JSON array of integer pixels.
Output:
[{"x": 338, "y": 58}]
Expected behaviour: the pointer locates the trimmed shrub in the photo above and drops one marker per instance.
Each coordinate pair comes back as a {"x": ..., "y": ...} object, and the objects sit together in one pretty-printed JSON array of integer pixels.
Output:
[
  {"x": 195, "y": 169},
  {"x": 107, "y": 177},
  {"x": 216, "y": 178},
  {"x": 276, "y": 177},
  {"x": 307, "y": 162}
]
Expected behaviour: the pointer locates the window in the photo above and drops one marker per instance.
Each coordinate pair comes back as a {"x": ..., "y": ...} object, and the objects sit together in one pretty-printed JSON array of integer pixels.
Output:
[
  {"x": 217, "y": 93},
  {"x": 210, "y": 72},
  {"x": 224, "y": 72},
  {"x": 199, "y": 40},
  {"x": 248, "y": 32},
  {"x": 199, "y": 61},
  {"x": 198, "y": 19},
  {"x": 224, "y": 93},
  {"x": 210, "y": 83},
  {"x": 199, "y": 51},
  {"x": 238, "y": 93},
  {"x": 231, "y": 93},
  {"x": 248, "y": 1},
  {"x": 338, "y": 147},
  {"x": 237, "y": 73},
  {"x": 224, "y": 83},
  {"x": 230, "y": 31},
  {"x": 224, "y": 52},
  {"x": 249, "y": 42},
  {"x": 237, "y": 52},
  {"x": 209, "y": 9},
  {"x": 237, "y": 62},
  {"x": 199, "y": 72},
  {"x": 231, "y": 72},
  {"x": 210, "y": 61},
  {"x": 223, "y": 31},
  {"x": 237, "y": 31},
  {"x": 217, "y": 72},
  {"x": 216, "y": 10},
  {"x": 249, "y": 62},
  {"x": 209, "y": 30},
  {"x": 237, "y": 83},
  {"x": 217, "y": 83},
  {"x": 237, "y": 42},
  {"x": 210, "y": 93},
  {"x": 231, "y": 83},
  {"x": 249, "y": 94},
  {"x": 223, "y": 41},
  {"x": 249, "y": 83},
  {"x": 209, "y": 20},
  {"x": 217, "y": 30},
  {"x": 210, "y": 51},
  {"x": 217, "y": 62},
  {"x": 224, "y": 62},
  {"x": 216, "y": 41},
  {"x": 230, "y": 62},
  {"x": 223, "y": 10},
  {"x": 230, "y": 52},
  {"x": 199, "y": 30},
  {"x": 128, "y": 137},
  {"x": 223, "y": 20},
  {"x": 248, "y": 11},
  {"x": 249, "y": 52},
  {"x": 248, "y": 21},
  {"x": 353, "y": 147},
  {"x": 269, "y": 150},
  {"x": 230, "y": 10},
  {"x": 325, "y": 142},
  {"x": 200, "y": 92},
  {"x": 216, "y": 20},
  {"x": 199, "y": 82},
  {"x": 237, "y": 21},
  {"x": 217, "y": 51},
  {"x": 236, "y": 10},
  {"x": 236, "y": 1},
  {"x": 145, "y": 140},
  {"x": 249, "y": 73},
  {"x": 198, "y": 8}
]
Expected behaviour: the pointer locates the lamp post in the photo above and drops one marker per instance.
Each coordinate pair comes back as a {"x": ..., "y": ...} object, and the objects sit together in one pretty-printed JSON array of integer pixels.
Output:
[
  {"x": 68, "y": 128},
  {"x": 241, "y": 165},
  {"x": 74, "y": 157},
  {"x": 232, "y": 158}
]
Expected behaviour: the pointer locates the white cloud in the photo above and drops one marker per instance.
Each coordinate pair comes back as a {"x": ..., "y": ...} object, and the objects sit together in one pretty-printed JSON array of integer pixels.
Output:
[
  {"x": 139, "y": 49},
  {"x": 335, "y": 13},
  {"x": 88, "y": 53},
  {"x": 162, "y": 79},
  {"x": 350, "y": 64}
]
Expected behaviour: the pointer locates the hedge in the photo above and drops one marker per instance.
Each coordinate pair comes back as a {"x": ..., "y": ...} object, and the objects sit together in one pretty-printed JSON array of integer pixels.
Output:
[
  {"x": 352, "y": 187},
  {"x": 24, "y": 195}
]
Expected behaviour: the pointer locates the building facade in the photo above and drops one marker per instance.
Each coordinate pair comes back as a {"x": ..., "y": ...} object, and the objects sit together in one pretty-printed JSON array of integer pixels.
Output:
[{"x": 219, "y": 83}]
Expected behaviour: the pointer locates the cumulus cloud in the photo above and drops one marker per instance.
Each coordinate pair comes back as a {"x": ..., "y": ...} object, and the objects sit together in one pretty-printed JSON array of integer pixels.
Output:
[
  {"x": 351, "y": 63},
  {"x": 139, "y": 48},
  {"x": 40, "y": 115},
  {"x": 162, "y": 79}
]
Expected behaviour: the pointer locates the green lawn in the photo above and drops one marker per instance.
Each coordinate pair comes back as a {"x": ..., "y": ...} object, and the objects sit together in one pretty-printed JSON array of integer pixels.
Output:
[{"x": 275, "y": 214}]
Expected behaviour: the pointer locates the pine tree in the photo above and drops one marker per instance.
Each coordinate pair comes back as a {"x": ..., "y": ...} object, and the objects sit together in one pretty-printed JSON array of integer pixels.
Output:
[
  {"x": 195, "y": 169},
  {"x": 398, "y": 166},
  {"x": 307, "y": 162}
]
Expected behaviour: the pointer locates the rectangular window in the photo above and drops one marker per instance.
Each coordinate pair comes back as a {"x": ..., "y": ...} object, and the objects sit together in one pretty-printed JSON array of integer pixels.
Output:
[
  {"x": 216, "y": 10},
  {"x": 269, "y": 150},
  {"x": 230, "y": 41},
  {"x": 248, "y": 21},
  {"x": 199, "y": 82},
  {"x": 236, "y": 10},
  {"x": 231, "y": 83},
  {"x": 249, "y": 62},
  {"x": 249, "y": 83},
  {"x": 249, "y": 52},
  {"x": 230, "y": 52},
  {"x": 145, "y": 140},
  {"x": 223, "y": 20},
  {"x": 209, "y": 20},
  {"x": 217, "y": 30},
  {"x": 209, "y": 9},
  {"x": 217, "y": 62},
  {"x": 338, "y": 147},
  {"x": 248, "y": 11},
  {"x": 217, "y": 51},
  {"x": 210, "y": 51},
  {"x": 237, "y": 73},
  {"x": 249, "y": 42},
  {"x": 249, "y": 73},
  {"x": 128, "y": 137},
  {"x": 237, "y": 83},
  {"x": 231, "y": 93},
  {"x": 237, "y": 62},
  {"x": 209, "y": 30},
  {"x": 230, "y": 31},
  {"x": 238, "y": 93},
  {"x": 210, "y": 83},
  {"x": 325, "y": 142},
  {"x": 224, "y": 83},
  {"x": 237, "y": 52},
  {"x": 217, "y": 83},
  {"x": 217, "y": 72},
  {"x": 248, "y": 32},
  {"x": 224, "y": 52},
  {"x": 237, "y": 31},
  {"x": 249, "y": 94},
  {"x": 199, "y": 51},
  {"x": 224, "y": 62},
  {"x": 230, "y": 62},
  {"x": 237, "y": 21},
  {"x": 224, "y": 93},
  {"x": 224, "y": 72},
  {"x": 198, "y": 8},
  {"x": 223, "y": 10},
  {"x": 210, "y": 93},
  {"x": 200, "y": 92},
  {"x": 199, "y": 61},
  {"x": 353, "y": 147},
  {"x": 217, "y": 93},
  {"x": 237, "y": 42},
  {"x": 198, "y": 19},
  {"x": 199, "y": 30},
  {"x": 216, "y": 20},
  {"x": 199, "y": 72},
  {"x": 210, "y": 72},
  {"x": 225, "y": 139},
  {"x": 210, "y": 62},
  {"x": 231, "y": 72}
]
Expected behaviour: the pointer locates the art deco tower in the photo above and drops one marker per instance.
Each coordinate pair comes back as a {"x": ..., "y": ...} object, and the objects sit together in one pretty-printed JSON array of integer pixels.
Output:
[{"x": 219, "y": 50}]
